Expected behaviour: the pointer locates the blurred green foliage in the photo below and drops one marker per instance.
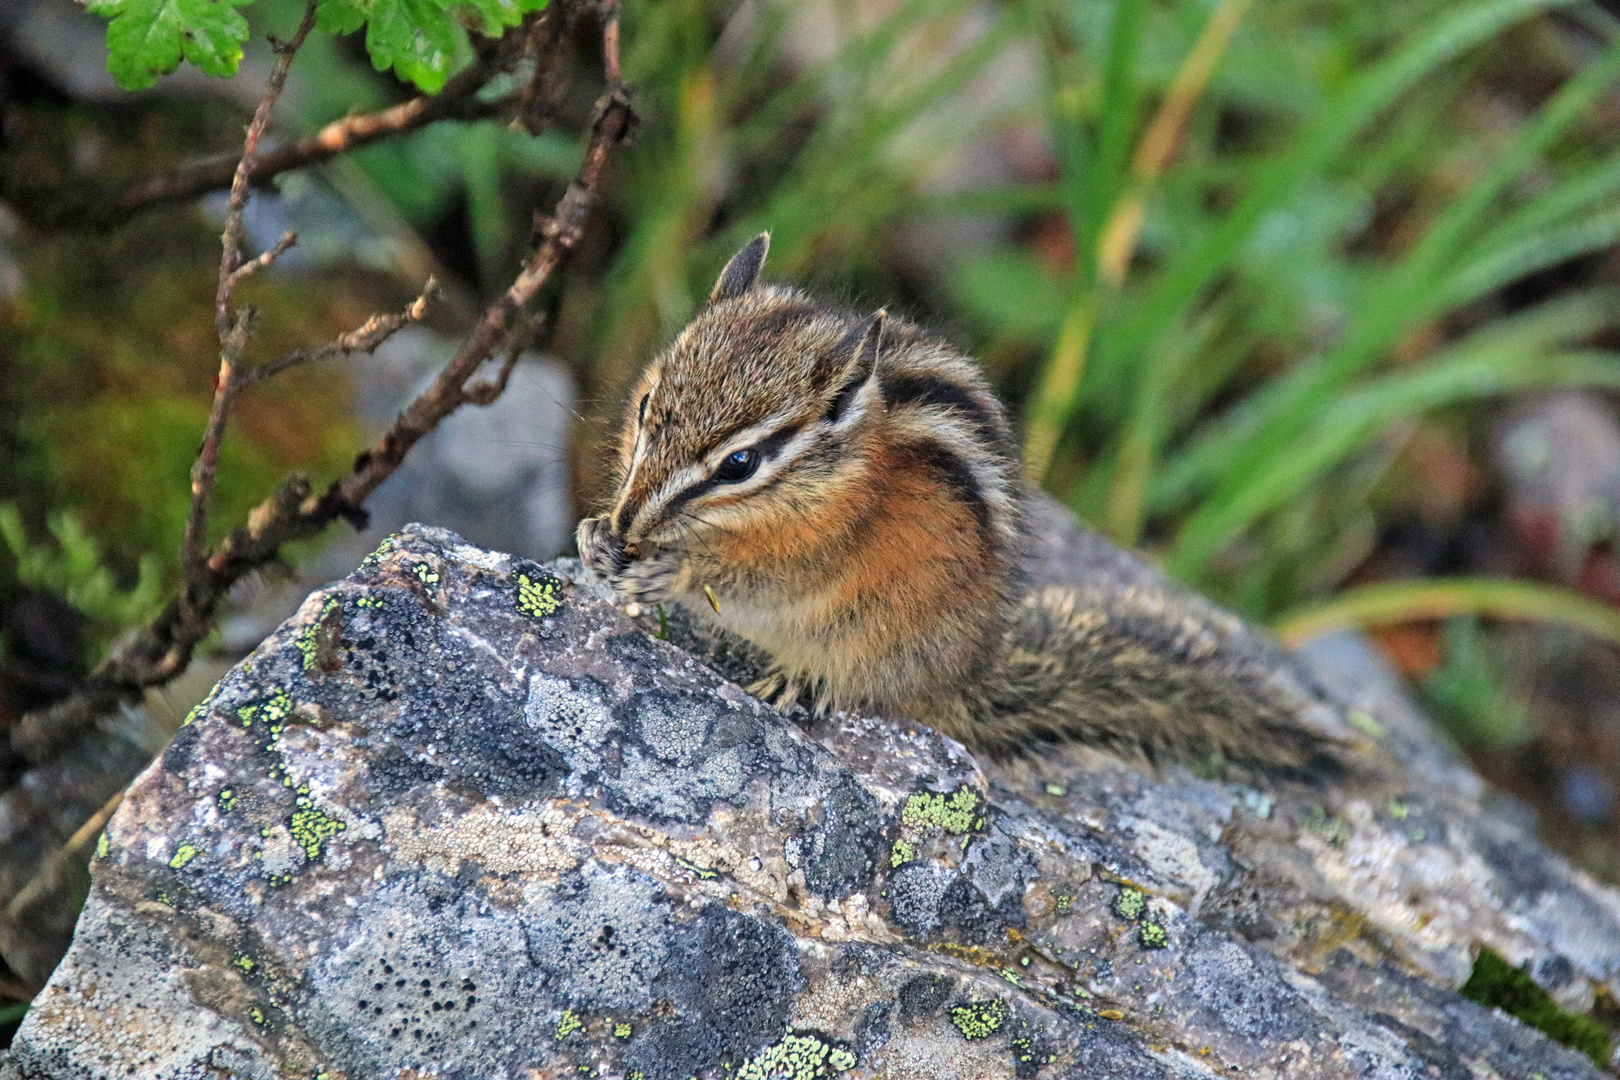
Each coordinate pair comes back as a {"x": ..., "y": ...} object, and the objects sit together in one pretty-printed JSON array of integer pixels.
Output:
[
  {"x": 73, "y": 568},
  {"x": 1471, "y": 692}
]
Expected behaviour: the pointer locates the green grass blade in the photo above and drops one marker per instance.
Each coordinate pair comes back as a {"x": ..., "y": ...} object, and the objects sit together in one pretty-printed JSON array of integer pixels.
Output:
[
  {"x": 1577, "y": 193},
  {"x": 1354, "y": 419},
  {"x": 1533, "y": 252},
  {"x": 1557, "y": 322},
  {"x": 1397, "y": 602},
  {"x": 1412, "y": 290},
  {"x": 1355, "y": 107},
  {"x": 1117, "y": 117}
]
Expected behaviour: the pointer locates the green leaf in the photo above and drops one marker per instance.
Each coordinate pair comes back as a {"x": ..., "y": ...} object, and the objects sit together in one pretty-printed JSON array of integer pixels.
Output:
[
  {"x": 414, "y": 37},
  {"x": 148, "y": 38},
  {"x": 341, "y": 16}
]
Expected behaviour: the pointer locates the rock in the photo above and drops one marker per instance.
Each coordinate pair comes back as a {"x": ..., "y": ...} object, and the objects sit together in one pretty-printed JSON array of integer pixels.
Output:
[{"x": 462, "y": 818}]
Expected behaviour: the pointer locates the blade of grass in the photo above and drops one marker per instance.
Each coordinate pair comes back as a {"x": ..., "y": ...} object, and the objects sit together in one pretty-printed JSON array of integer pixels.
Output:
[
  {"x": 1364, "y": 99},
  {"x": 1111, "y": 251},
  {"x": 1356, "y": 418},
  {"x": 1117, "y": 111},
  {"x": 1117, "y": 244},
  {"x": 1566, "y": 319},
  {"x": 1280, "y": 415},
  {"x": 1536, "y": 251},
  {"x": 1571, "y": 195},
  {"x": 1397, "y": 602}
]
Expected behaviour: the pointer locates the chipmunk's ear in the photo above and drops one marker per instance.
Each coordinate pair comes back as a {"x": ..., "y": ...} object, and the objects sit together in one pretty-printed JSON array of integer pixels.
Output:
[
  {"x": 742, "y": 272},
  {"x": 867, "y": 343}
]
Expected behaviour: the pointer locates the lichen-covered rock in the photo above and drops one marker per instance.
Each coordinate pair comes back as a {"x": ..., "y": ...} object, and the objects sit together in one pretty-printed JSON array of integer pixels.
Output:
[{"x": 461, "y": 818}]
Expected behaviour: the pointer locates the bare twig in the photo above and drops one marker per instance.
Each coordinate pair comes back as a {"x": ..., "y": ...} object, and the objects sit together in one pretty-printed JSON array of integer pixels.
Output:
[
  {"x": 158, "y": 653},
  {"x": 459, "y": 100},
  {"x": 365, "y": 338},
  {"x": 233, "y": 334},
  {"x": 51, "y": 874},
  {"x": 253, "y": 266}
]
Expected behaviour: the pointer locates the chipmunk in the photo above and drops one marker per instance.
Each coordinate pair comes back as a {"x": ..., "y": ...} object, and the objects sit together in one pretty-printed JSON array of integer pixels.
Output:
[{"x": 843, "y": 491}]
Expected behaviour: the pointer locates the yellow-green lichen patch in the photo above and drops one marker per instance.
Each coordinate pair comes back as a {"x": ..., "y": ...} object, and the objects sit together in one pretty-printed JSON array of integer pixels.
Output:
[
  {"x": 182, "y": 855},
  {"x": 1062, "y": 902},
  {"x": 568, "y": 1023},
  {"x": 311, "y": 827},
  {"x": 102, "y": 846},
  {"x": 272, "y": 710},
  {"x": 953, "y": 813},
  {"x": 383, "y": 548},
  {"x": 244, "y": 962},
  {"x": 622, "y": 1030},
  {"x": 538, "y": 598},
  {"x": 902, "y": 852},
  {"x": 1129, "y": 904},
  {"x": 1330, "y": 827},
  {"x": 797, "y": 1057},
  {"x": 368, "y": 602},
  {"x": 256, "y": 1014},
  {"x": 1153, "y": 935},
  {"x": 703, "y": 873},
  {"x": 228, "y": 800},
  {"x": 425, "y": 574},
  {"x": 979, "y": 1019},
  {"x": 318, "y": 641}
]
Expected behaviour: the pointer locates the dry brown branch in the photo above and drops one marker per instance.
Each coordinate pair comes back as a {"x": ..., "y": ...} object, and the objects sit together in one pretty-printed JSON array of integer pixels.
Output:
[
  {"x": 233, "y": 334},
  {"x": 55, "y": 868},
  {"x": 459, "y": 100},
  {"x": 253, "y": 266},
  {"x": 365, "y": 338},
  {"x": 156, "y": 654}
]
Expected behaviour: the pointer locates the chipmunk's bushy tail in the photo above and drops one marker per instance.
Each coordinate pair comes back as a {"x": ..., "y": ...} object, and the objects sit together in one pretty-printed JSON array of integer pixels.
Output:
[{"x": 1133, "y": 684}]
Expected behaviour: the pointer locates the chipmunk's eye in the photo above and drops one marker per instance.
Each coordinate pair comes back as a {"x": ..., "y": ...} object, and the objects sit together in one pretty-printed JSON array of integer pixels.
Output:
[
  {"x": 737, "y": 467},
  {"x": 641, "y": 410}
]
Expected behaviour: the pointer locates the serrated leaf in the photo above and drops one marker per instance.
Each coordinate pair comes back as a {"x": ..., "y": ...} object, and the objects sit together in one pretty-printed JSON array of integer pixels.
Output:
[
  {"x": 340, "y": 16},
  {"x": 417, "y": 38},
  {"x": 148, "y": 38}
]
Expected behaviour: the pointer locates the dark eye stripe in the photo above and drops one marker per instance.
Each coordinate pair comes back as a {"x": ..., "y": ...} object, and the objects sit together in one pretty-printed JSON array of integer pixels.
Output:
[{"x": 767, "y": 448}]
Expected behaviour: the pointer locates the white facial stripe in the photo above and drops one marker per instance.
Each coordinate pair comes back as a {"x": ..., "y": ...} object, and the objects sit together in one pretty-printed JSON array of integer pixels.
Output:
[{"x": 653, "y": 508}]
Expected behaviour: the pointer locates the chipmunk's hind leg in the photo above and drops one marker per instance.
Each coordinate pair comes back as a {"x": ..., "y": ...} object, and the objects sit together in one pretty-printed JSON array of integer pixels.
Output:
[{"x": 785, "y": 691}]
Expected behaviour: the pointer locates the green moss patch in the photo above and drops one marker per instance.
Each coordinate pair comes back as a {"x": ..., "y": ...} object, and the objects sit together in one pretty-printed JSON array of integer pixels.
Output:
[
  {"x": 183, "y": 854},
  {"x": 1497, "y": 984}
]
